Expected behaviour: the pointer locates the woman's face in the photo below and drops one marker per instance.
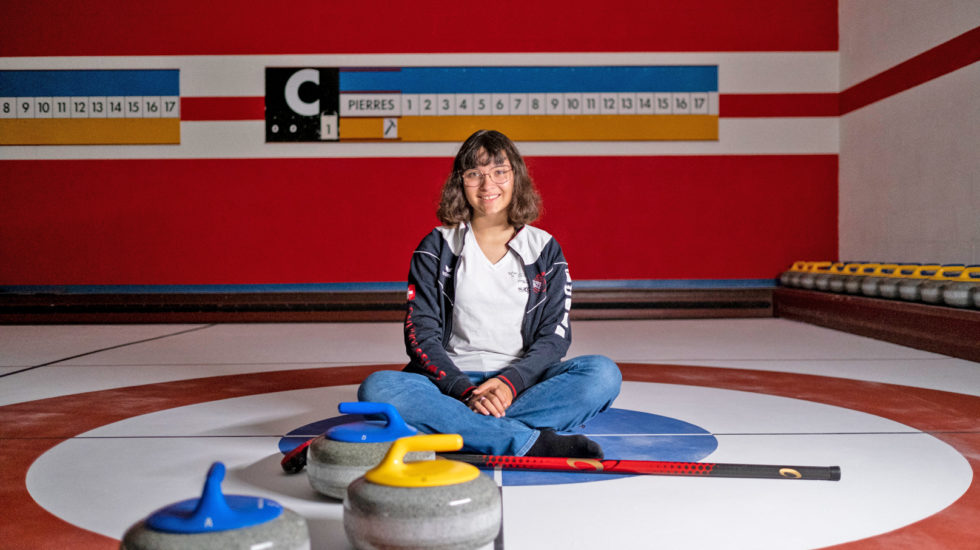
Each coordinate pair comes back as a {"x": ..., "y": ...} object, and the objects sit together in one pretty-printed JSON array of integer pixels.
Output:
[{"x": 489, "y": 187}]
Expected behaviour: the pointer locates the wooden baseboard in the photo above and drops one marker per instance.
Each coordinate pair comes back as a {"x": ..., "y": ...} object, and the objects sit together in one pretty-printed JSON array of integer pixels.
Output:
[
  {"x": 950, "y": 331},
  {"x": 258, "y": 307},
  {"x": 672, "y": 303},
  {"x": 940, "y": 329},
  {"x": 355, "y": 306}
]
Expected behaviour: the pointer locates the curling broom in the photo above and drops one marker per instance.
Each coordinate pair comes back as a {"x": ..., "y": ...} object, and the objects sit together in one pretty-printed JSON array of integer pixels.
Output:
[{"x": 649, "y": 467}]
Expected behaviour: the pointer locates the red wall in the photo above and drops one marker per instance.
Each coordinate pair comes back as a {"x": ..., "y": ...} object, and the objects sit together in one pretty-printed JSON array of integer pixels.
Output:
[
  {"x": 192, "y": 27},
  {"x": 356, "y": 220}
]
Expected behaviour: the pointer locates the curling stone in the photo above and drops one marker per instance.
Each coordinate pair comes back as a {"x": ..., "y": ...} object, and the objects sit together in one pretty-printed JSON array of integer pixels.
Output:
[
  {"x": 797, "y": 274},
  {"x": 219, "y": 522},
  {"x": 908, "y": 287},
  {"x": 808, "y": 280},
  {"x": 931, "y": 290},
  {"x": 853, "y": 283},
  {"x": 822, "y": 280},
  {"x": 870, "y": 285},
  {"x": 788, "y": 277},
  {"x": 962, "y": 291},
  {"x": 835, "y": 283},
  {"x": 888, "y": 288},
  {"x": 345, "y": 452},
  {"x": 440, "y": 503}
]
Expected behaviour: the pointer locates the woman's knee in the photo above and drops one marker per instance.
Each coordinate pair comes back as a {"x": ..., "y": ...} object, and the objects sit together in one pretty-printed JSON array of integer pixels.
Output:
[
  {"x": 604, "y": 375},
  {"x": 380, "y": 386},
  {"x": 593, "y": 378},
  {"x": 603, "y": 369}
]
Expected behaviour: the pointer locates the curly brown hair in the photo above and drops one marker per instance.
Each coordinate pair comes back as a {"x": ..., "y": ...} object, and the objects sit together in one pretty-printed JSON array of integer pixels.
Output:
[{"x": 479, "y": 149}]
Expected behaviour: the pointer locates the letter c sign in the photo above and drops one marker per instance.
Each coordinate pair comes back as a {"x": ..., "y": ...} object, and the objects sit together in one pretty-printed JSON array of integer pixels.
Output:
[
  {"x": 293, "y": 113},
  {"x": 296, "y": 103}
]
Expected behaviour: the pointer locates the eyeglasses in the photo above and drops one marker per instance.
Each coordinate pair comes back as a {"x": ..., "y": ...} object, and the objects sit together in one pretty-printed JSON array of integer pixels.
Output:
[{"x": 498, "y": 175}]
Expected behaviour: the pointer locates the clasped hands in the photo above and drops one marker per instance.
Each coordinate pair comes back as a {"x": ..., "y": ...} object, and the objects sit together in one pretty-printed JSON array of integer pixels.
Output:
[{"x": 491, "y": 398}]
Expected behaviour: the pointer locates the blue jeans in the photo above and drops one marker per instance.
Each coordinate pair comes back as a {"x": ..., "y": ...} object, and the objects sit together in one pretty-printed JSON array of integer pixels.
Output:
[{"x": 568, "y": 394}]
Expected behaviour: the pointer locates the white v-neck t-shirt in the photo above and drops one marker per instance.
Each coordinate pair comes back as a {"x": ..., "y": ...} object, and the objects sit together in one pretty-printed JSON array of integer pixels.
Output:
[{"x": 488, "y": 310}]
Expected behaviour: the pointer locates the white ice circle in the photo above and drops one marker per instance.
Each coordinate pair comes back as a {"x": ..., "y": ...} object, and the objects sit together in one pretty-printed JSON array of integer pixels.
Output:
[{"x": 108, "y": 478}]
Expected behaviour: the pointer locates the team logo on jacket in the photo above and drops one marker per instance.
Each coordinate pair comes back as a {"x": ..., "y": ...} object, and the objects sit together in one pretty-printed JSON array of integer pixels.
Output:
[
  {"x": 539, "y": 284},
  {"x": 411, "y": 292}
]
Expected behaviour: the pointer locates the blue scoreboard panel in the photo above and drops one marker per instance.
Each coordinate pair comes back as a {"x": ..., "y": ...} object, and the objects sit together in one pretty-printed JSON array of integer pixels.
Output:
[{"x": 88, "y": 107}]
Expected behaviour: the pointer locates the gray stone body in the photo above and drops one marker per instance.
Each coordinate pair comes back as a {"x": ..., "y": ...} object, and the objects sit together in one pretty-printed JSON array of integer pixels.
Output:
[
  {"x": 853, "y": 284},
  {"x": 808, "y": 280},
  {"x": 332, "y": 465},
  {"x": 908, "y": 289},
  {"x": 961, "y": 294},
  {"x": 835, "y": 283},
  {"x": 888, "y": 288},
  {"x": 449, "y": 517},
  {"x": 931, "y": 291},
  {"x": 822, "y": 281},
  {"x": 287, "y": 532},
  {"x": 871, "y": 286},
  {"x": 795, "y": 278}
]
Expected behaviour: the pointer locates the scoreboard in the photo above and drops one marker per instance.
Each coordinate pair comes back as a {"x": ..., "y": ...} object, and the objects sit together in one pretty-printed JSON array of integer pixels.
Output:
[
  {"x": 419, "y": 104},
  {"x": 88, "y": 107},
  {"x": 379, "y": 104}
]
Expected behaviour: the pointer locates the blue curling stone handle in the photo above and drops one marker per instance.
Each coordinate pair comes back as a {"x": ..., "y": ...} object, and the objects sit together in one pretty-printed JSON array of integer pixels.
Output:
[
  {"x": 214, "y": 511},
  {"x": 370, "y": 431}
]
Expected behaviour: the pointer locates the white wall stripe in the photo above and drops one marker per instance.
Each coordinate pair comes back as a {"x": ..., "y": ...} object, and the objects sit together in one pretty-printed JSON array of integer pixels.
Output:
[{"x": 245, "y": 139}]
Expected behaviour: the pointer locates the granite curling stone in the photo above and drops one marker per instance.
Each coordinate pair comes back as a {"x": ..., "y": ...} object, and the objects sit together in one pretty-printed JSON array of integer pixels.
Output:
[
  {"x": 852, "y": 285},
  {"x": 808, "y": 280},
  {"x": 822, "y": 280},
  {"x": 931, "y": 291},
  {"x": 345, "y": 452},
  {"x": 871, "y": 285},
  {"x": 909, "y": 288},
  {"x": 835, "y": 283},
  {"x": 962, "y": 291},
  {"x": 797, "y": 274},
  {"x": 788, "y": 277},
  {"x": 433, "y": 505},
  {"x": 219, "y": 522},
  {"x": 889, "y": 287}
]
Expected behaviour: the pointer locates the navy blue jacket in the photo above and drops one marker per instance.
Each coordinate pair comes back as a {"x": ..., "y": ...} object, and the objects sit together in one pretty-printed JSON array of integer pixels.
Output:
[{"x": 431, "y": 293}]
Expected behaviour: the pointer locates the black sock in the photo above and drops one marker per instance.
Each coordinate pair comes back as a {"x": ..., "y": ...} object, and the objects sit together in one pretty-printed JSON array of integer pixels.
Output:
[{"x": 573, "y": 446}]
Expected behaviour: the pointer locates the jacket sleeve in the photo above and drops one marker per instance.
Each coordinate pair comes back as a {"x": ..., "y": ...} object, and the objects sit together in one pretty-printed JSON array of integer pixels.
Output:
[
  {"x": 553, "y": 335},
  {"x": 424, "y": 323}
]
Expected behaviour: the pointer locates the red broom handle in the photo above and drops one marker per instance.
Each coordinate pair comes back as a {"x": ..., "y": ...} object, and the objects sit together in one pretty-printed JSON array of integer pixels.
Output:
[{"x": 649, "y": 467}]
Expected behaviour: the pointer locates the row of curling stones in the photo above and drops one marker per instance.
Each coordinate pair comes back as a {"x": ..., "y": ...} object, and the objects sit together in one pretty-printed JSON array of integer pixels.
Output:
[
  {"x": 347, "y": 451},
  {"x": 219, "y": 522},
  {"x": 953, "y": 285},
  {"x": 432, "y": 504}
]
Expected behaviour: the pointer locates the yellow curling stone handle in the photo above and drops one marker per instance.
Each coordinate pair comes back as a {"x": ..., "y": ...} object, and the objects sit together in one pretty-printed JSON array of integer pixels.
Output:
[{"x": 393, "y": 471}]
